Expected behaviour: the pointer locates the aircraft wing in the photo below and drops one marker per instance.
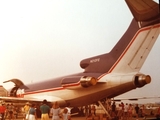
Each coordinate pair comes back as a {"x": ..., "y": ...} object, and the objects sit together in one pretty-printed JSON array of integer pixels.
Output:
[{"x": 36, "y": 99}]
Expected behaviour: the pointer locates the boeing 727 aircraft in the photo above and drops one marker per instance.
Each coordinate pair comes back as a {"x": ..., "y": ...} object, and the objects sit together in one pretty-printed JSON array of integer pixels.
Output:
[{"x": 104, "y": 76}]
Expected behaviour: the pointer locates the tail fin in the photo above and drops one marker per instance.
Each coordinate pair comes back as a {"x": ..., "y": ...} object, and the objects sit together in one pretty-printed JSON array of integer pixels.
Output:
[
  {"x": 129, "y": 54},
  {"x": 146, "y": 13}
]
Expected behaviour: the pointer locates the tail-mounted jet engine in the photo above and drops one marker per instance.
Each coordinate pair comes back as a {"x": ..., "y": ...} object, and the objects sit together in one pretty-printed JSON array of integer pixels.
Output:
[
  {"x": 18, "y": 85},
  {"x": 84, "y": 81},
  {"x": 135, "y": 80},
  {"x": 87, "y": 81},
  {"x": 140, "y": 80}
]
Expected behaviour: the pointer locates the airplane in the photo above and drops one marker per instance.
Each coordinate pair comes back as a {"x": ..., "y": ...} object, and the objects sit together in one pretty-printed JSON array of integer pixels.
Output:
[{"x": 104, "y": 76}]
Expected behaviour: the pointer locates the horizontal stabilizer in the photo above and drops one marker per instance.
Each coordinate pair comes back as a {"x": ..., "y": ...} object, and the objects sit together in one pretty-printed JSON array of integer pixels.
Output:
[{"x": 143, "y": 10}]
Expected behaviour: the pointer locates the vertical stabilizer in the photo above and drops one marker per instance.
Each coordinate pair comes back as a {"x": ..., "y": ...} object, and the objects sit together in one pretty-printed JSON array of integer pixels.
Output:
[
  {"x": 129, "y": 54},
  {"x": 146, "y": 14}
]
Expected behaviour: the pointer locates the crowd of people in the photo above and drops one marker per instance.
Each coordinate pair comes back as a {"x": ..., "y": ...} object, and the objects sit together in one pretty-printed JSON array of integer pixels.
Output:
[
  {"x": 8, "y": 111},
  {"x": 44, "y": 111},
  {"x": 128, "y": 111},
  {"x": 34, "y": 111},
  {"x": 119, "y": 111}
]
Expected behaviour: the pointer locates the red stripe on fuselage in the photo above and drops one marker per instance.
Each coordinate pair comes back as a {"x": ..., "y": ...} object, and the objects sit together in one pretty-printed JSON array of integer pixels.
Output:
[
  {"x": 45, "y": 90},
  {"x": 53, "y": 89}
]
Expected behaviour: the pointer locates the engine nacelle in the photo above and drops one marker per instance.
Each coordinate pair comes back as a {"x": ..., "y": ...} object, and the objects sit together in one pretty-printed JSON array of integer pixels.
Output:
[
  {"x": 78, "y": 81},
  {"x": 140, "y": 80},
  {"x": 134, "y": 79},
  {"x": 87, "y": 81},
  {"x": 122, "y": 83}
]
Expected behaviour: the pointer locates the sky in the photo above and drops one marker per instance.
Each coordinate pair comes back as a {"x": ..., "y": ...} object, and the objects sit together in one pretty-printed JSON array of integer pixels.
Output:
[{"x": 43, "y": 39}]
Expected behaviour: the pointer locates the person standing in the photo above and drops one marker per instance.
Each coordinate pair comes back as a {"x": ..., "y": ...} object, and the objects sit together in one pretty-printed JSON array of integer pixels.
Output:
[
  {"x": 26, "y": 109},
  {"x": 93, "y": 112},
  {"x": 55, "y": 111},
  {"x": 120, "y": 112},
  {"x": 44, "y": 110},
  {"x": 137, "y": 111},
  {"x": 113, "y": 114},
  {"x": 143, "y": 108},
  {"x": 2, "y": 111},
  {"x": 130, "y": 111},
  {"x": 66, "y": 114},
  {"x": 86, "y": 109},
  {"x": 11, "y": 110},
  {"x": 126, "y": 107},
  {"x": 32, "y": 112}
]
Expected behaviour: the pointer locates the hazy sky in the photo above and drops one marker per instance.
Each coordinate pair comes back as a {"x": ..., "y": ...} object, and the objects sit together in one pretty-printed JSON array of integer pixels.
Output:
[{"x": 43, "y": 39}]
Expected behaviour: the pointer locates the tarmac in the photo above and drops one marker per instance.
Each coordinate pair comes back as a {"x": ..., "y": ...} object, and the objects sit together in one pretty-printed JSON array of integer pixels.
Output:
[
  {"x": 84, "y": 118},
  {"x": 96, "y": 118}
]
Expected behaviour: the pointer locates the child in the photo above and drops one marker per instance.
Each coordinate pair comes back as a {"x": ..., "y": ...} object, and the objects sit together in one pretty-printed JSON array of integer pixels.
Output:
[{"x": 66, "y": 115}]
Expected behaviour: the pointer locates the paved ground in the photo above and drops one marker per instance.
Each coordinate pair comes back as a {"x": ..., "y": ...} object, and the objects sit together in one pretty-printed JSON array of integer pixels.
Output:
[{"x": 84, "y": 118}]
